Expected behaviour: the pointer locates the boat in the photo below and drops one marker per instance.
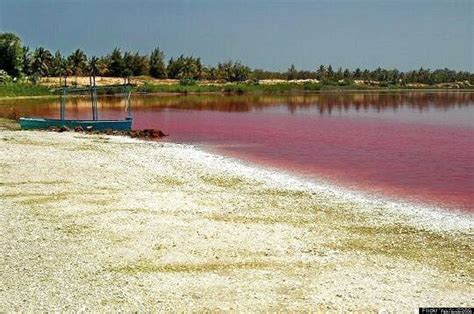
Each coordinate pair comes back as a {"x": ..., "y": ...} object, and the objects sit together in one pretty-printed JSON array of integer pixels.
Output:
[
  {"x": 88, "y": 124},
  {"x": 99, "y": 125}
]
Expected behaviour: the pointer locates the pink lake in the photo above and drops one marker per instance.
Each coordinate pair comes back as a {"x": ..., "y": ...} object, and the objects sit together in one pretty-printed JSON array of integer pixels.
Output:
[{"x": 412, "y": 145}]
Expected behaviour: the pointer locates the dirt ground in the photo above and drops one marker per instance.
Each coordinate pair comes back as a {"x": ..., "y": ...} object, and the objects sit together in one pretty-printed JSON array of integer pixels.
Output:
[
  {"x": 140, "y": 80},
  {"x": 92, "y": 222},
  {"x": 101, "y": 81}
]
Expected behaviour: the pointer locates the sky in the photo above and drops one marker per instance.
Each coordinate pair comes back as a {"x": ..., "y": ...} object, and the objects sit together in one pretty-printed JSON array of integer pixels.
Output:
[{"x": 269, "y": 34}]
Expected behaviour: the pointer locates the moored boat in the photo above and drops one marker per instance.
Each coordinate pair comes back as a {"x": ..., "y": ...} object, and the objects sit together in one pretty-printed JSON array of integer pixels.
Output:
[
  {"x": 87, "y": 124},
  {"x": 99, "y": 125}
]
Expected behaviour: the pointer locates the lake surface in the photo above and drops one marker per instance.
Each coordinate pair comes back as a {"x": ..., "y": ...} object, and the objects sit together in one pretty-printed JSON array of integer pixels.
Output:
[{"x": 417, "y": 146}]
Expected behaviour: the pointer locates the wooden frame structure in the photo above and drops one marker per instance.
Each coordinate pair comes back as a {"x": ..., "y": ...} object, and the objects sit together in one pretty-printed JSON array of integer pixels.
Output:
[{"x": 94, "y": 123}]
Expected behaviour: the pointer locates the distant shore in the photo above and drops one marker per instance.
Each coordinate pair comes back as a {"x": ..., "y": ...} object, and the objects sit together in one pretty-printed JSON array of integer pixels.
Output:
[
  {"x": 295, "y": 92},
  {"x": 148, "y": 85},
  {"x": 105, "y": 223}
]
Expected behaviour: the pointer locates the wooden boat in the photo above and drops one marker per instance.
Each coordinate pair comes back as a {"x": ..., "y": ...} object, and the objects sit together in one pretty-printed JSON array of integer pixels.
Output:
[
  {"x": 99, "y": 125},
  {"x": 90, "y": 124}
]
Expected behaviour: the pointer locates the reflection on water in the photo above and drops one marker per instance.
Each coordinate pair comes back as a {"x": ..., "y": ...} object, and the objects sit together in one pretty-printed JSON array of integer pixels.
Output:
[
  {"x": 419, "y": 146},
  {"x": 324, "y": 103}
]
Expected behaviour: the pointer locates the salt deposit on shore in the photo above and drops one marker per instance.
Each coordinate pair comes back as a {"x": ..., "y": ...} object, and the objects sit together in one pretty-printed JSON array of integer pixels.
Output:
[{"x": 106, "y": 223}]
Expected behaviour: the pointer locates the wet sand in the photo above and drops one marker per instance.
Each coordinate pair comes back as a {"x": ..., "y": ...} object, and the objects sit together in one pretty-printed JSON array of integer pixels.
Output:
[{"x": 105, "y": 223}]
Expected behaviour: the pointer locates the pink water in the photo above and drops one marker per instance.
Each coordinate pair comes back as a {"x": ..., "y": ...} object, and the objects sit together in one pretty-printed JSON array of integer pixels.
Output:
[{"x": 414, "y": 146}]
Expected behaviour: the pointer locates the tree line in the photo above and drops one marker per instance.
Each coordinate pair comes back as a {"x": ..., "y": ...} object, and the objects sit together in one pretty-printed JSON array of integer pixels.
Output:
[{"x": 19, "y": 61}]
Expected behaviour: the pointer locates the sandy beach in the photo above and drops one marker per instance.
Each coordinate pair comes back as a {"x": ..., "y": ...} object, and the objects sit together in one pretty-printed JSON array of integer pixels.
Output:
[{"x": 92, "y": 222}]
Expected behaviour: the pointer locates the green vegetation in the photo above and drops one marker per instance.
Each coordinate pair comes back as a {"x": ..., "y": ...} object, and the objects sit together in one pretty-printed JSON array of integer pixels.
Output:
[
  {"x": 184, "y": 68},
  {"x": 19, "y": 66},
  {"x": 240, "y": 88},
  {"x": 170, "y": 181},
  {"x": 157, "y": 64},
  {"x": 224, "y": 182},
  {"x": 46, "y": 182},
  {"x": 412, "y": 244},
  {"x": 23, "y": 89},
  {"x": 11, "y": 52},
  {"x": 147, "y": 266},
  {"x": 8, "y": 124},
  {"x": 250, "y": 87}
]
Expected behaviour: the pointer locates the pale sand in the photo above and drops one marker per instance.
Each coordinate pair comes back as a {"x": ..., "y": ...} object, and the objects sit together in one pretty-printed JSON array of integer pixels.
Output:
[
  {"x": 104, "y": 80},
  {"x": 106, "y": 223}
]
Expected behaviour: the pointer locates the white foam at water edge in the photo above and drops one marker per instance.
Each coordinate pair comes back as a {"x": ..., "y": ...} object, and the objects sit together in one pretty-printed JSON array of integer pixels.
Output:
[{"x": 417, "y": 215}]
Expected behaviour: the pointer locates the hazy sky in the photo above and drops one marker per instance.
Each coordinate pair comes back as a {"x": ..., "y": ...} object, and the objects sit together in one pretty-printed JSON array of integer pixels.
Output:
[{"x": 269, "y": 34}]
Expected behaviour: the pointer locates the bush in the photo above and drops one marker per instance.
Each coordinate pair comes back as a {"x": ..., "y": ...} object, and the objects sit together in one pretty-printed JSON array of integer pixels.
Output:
[
  {"x": 329, "y": 82},
  {"x": 310, "y": 86},
  {"x": 345, "y": 82},
  {"x": 21, "y": 89},
  {"x": 187, "y": 82},
  {"x": 254, "y": 82},
  {"x": 4, "y": 77}
]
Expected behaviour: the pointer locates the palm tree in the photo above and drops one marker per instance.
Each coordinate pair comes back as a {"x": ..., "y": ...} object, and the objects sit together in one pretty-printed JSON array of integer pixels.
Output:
[
  {"x": 66, "y": 70},
  {"x": 321, "y": 72},
  {"x": 57, "y": 66},
  {"x": 157, "y": 64},
  {"x": 188, "y": 69},
  {"x": 292, "y": 73},
  {"x": 77, "y": 60},
  {"x": 93, "y": 67},
  {"x": 26, "y": 60},
  {"x": 116, "y": 63},
  {"x": 42, "y": 62}
]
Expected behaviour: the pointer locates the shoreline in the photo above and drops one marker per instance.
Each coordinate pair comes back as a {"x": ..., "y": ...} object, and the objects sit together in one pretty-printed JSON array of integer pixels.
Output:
[
  {"x": 101, "y": 223},
  {"x": 260, "y": 92},
  {"x": 417, "y": 214}
]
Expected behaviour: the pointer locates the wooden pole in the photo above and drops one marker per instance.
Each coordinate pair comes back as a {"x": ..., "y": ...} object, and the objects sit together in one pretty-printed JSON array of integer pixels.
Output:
[
  {"x": 62, "y": 110},
  {"x": 129, "y": 107},
  {"x": 95, "y": 104},
  {"x": 92, "y": 98},
  {"x": 95, "y": 98}
]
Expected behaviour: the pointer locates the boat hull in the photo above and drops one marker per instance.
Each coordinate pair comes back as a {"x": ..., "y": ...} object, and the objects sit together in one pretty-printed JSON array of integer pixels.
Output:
[{"x": 99, "y": 125}]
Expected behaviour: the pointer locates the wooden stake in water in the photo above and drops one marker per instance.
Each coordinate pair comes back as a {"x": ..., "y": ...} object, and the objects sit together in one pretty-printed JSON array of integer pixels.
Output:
[
  {"x": 62, "y": 109},
  {"x": 129, "y": 108}
]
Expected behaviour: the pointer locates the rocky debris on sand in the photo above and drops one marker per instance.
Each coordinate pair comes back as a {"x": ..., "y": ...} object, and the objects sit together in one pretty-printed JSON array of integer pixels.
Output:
[
  {"x": 145, "y": 133},
  {"x": 58, "y": 129}
]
